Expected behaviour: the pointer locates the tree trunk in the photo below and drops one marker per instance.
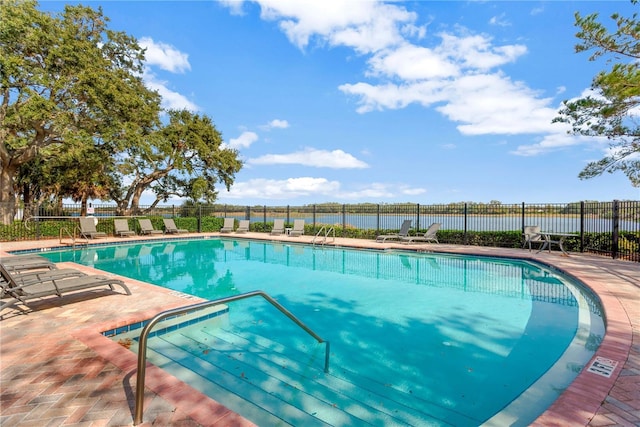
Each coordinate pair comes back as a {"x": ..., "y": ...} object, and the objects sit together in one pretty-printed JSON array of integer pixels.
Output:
[{"x": 7, "y": 194}]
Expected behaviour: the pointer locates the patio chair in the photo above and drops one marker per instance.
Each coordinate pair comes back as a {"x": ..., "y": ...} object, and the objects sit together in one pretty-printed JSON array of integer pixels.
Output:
[
  {"x": 121, "y": 228},
  {"x": 53, "y": 283},
  {"x": 298, "y": 228},
  {"x": 171, "y": 228},
  {"x": 532, "y": 234},
  {"x": 147, "y": 228},
  {"x": 88, "y": 228},
  {"x": 428, "y": 236},
  {"x": 243, "y": 227},
  {"x": 227, "y": 227},
  {"x": 278, "y": 227},
  {"x": 404, "y": 232}
]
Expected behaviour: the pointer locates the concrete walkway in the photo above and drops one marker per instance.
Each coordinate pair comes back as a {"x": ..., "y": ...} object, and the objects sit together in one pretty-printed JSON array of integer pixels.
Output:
[{"x": 57, "y": 369}]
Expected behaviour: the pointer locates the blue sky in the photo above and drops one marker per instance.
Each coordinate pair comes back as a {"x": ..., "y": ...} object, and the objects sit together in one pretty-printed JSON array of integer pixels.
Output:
[{"x": 383, "y": 102}]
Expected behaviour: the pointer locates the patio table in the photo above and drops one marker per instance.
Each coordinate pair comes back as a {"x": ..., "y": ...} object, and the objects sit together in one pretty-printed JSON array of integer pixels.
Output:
[{"x": 548, "y": 240}]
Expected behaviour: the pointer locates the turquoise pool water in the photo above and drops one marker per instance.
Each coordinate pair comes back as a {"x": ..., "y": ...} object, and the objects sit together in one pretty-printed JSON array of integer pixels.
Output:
[{"x": 416, "y": 339}]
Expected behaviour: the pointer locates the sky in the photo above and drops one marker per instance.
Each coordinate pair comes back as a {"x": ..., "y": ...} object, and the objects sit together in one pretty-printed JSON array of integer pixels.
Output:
[{"x": 357, "y": 101}]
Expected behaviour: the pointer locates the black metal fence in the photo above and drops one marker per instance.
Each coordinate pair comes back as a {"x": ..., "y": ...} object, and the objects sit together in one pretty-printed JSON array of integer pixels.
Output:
[{"x": 606, "y": 228}]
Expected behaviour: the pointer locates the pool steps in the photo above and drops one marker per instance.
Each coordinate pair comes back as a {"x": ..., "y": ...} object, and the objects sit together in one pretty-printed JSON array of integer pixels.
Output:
[{"x": 273, "y": 384}]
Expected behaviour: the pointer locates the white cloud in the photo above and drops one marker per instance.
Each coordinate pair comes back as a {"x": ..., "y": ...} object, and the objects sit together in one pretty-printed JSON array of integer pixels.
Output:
[
  {"x": 493, "y": 104},
  {"x": 476, "y": 52},
  {"x": 170, "y": 98},
  {"x": 460, "y": 76},
  {"x": 281, "y": 189},
  {"x": 170, "y": 59},
  {"x": 164, "y": 56},
  {"x": 243, "y": 141},
  {"x": 500, "y": 20},
  {"x": 276, "y": 124},
  {"x": 365, "y": 26},
  {"x": 557, "y": 141},
  {"x": 548, "y": 143},
  {"x": 314, "y": 187},
  {"x": 336, "y": 159},
  {"x": 411, "y": 62},
  {"x": 235, "y": 6}
]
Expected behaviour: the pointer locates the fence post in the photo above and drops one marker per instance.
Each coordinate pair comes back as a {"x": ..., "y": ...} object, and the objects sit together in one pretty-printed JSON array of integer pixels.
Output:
[
  {"x": 378, "y": 220},
  {"x": 199, "y": 218},
  {"x": 523, "y": 219},
  {"x": 582, "y": 226},
  {"x": 247, "y": 214},
  {"x": 314, "y": 216},
  {"x": 417, "y": 217},
  {"x": 465, "y": 236},
  {"x": 288, "y": 218},
  {"x": 264, "y": 216},
  {"x": 344, "y": 219},
  {"x": 616, "y": 229}
]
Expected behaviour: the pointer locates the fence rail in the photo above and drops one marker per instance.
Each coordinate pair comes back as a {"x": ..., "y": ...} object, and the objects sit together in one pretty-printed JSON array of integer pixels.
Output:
[{"x": 606, "y": 228}]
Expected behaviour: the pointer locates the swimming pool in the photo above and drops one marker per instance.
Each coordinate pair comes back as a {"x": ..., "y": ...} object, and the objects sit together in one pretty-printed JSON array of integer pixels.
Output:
[{"x": 416, "y": 339}]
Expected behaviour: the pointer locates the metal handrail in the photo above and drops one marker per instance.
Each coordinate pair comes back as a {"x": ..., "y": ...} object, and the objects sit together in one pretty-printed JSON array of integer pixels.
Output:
[
  {"x": 326, "y": 234},
  {"x": 68, "y": 233},
  {"x": 142, "y": 344}
]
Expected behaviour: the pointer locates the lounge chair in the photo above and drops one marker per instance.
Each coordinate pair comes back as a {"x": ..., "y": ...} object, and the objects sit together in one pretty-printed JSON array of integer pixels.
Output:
[
  {"x": 227, "y": 227},
  {"x": 88, "y": 228},
  {"x": 121, "y": 228},
  {"x": 278, "y": 227},
  {"x": 298, "y": 228},
  {"x": 26, "y": 262},
  {"x": 243, "y": 226},
  {"x": 171, "y": 228},
  {"x": 532, "y": 234},
  {"x": 428, "y": 236},
  {"x": 147, "y": 228},
  {"x": 404, "y": 232},
  {"x": 52, "y": 283},
  {"x": 23, "y": 266}
]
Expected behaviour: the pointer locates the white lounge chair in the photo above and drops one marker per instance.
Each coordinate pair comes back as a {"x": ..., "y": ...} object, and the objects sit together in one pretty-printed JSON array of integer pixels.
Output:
[
  {"x": 428, "y": 236},
  {"x": 278, "y": 227},
  {"x": 171, "y": 228},
  {"x": 88, "y": 228},
  {"x": 243, "y": 226},
  {"x": 404, "y": 232},
  {"x": 298, "y": 228},
  {"x": 121, "y": 228},
  {"x": 227, "y": 227},
  {"x": 147, "y": 228}
]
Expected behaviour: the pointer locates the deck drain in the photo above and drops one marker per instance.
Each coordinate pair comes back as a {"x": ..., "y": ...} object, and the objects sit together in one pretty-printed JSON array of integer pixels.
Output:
[{"x": 603, "y": 366}]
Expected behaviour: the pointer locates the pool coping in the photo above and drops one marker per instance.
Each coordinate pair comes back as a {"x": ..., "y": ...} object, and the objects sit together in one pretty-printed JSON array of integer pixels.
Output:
[{"x": 577, "y": 405}]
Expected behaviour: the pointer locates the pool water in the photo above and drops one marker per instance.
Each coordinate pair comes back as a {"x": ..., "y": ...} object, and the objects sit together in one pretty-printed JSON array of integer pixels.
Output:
[{"x": 416, "y": 339}]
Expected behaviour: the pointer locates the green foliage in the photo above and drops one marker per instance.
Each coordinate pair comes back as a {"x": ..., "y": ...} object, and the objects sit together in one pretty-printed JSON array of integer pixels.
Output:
[
  {"x": 183, "y": 158},
  {"x": 611, "y": 110},
  {"x": 71, "y": 88}
]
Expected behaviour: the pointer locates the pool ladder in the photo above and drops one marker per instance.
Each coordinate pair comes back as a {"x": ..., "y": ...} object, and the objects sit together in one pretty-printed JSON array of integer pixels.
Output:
[
  {"x": 144, "y": 335},
  {"x": 64, "y": 231},
  {"x": 327, "y": 232}
]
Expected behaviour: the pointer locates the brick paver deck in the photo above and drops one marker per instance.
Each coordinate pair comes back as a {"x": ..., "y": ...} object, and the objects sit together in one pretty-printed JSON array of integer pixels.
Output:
[{"x": 56, "y": 369}]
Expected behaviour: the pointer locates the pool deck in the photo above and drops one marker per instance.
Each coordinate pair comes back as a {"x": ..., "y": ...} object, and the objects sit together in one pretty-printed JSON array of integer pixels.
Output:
[{"x": 57, "y": 369}]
